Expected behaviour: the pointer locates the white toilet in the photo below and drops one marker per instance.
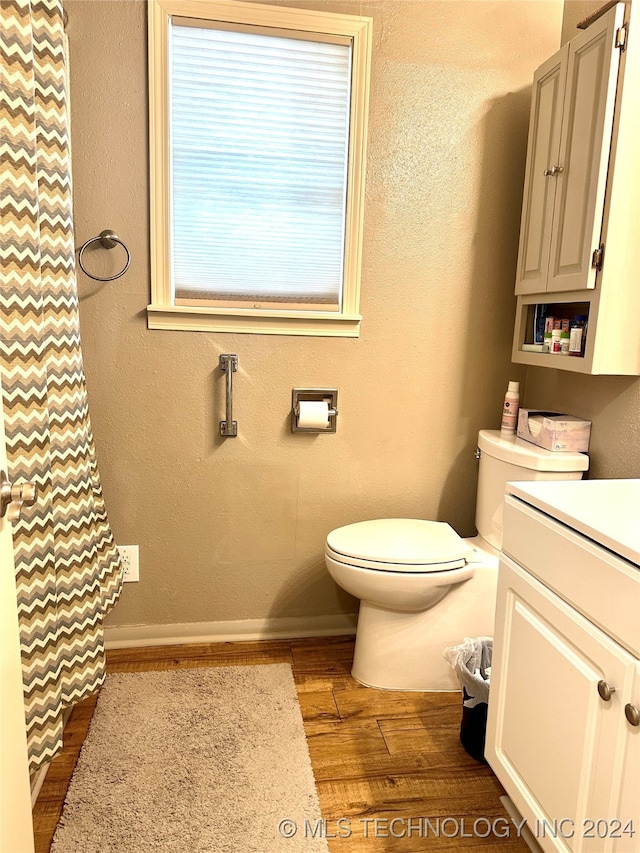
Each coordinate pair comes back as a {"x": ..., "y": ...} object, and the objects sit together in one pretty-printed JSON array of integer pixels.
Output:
[{"x": 421, "y": 586}]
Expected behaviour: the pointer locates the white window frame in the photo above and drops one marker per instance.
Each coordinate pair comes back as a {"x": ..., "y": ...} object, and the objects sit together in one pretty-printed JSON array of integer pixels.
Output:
[{"x": 163, "y": 313}]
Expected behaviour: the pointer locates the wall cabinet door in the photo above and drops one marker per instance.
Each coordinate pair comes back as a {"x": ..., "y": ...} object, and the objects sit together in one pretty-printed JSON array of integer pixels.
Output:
[
  {"x": 554, "y": 743},
  {"x": 585, "y": 144},
  {"x": 567, "y": 161},
  {"x": 543, "y": 152}
]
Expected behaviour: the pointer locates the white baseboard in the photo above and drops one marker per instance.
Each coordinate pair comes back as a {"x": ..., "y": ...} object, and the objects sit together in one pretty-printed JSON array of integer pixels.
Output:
[
  {"x": 526, "y": 834},
  {"x": 37, "y": 781},
  {"x": 282, "y": 628}
]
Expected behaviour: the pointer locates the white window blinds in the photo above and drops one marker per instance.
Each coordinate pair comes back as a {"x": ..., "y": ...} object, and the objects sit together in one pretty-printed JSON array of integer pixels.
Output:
[{"x": 259, "y": 151}]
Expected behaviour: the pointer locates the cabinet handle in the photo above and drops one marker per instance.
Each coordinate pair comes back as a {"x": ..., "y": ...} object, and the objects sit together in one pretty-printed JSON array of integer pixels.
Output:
[
  {"x": 632, "y": 714},
  {"x": 605, "y": 690},
  {"x": 553, "y": 171}
]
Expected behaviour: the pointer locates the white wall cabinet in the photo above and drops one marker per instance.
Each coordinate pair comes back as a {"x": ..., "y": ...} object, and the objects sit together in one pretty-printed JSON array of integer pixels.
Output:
[
  {"x": 563, "y": 734},
  {"x": 577, "y": 252}
]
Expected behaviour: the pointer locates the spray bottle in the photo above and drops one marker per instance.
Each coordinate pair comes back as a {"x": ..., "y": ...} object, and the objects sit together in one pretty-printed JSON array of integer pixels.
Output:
[{"x": 510, "y": 409}]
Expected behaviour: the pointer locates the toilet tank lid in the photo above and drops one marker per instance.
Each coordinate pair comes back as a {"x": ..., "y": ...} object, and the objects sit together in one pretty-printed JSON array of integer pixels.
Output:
[
  {"x": 399, "y": 540},
  {"x": 517, "y": 451}
]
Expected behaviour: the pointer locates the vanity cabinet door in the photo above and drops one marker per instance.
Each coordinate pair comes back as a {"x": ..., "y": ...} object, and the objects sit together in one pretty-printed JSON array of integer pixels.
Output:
[
  {"x": 629, "y": 769},
  {"x": 543, "y": 152},
  {"x": 552, "y": 740}
]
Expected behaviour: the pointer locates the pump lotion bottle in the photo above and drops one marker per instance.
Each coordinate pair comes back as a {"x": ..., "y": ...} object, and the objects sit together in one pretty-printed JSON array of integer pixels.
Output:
[{"x": 510, "y": 409}]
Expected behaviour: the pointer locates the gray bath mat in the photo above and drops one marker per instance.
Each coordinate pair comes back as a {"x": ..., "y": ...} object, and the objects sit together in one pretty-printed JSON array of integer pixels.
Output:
[{"x": 204, "y": 760}]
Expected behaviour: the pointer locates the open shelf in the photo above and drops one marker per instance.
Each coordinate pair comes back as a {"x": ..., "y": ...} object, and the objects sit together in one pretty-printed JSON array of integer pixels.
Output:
[{"x": 528, "y": 312}]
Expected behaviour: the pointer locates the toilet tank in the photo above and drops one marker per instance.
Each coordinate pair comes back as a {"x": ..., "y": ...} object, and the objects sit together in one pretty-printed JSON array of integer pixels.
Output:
[{"x": 506, "y": 458}]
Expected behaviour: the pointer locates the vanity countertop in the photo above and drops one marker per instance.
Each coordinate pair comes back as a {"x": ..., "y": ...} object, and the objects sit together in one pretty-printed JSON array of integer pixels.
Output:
[{"x": 607, "y": 511}]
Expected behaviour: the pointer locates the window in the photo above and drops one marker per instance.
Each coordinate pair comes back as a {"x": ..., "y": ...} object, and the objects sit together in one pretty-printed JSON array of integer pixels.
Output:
[{"x": 258, "y": 135}]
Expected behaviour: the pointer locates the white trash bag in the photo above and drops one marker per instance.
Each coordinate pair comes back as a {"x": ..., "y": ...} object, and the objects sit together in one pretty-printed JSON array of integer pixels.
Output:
[{"x": 471, "y": 661}]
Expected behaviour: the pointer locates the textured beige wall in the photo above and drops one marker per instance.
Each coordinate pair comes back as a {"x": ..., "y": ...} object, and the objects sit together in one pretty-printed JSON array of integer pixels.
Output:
[
  {"x": 575, "y": 11},
  {"x": 234, "y": 528},
  {"x": 611, "y": 403}
]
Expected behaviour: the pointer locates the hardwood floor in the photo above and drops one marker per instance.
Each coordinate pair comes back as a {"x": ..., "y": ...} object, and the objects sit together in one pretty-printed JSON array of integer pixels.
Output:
[{"x": 390, "y": 770}]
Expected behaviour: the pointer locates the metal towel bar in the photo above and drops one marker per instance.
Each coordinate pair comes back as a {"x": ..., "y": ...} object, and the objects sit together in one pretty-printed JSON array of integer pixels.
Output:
[{"x": 229, "y": 365}]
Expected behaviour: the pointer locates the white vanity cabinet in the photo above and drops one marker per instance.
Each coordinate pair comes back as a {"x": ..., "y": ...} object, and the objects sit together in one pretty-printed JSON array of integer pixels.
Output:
[
  {"x": 563, "y": 733},
  {"x": 579, "y": 253}
]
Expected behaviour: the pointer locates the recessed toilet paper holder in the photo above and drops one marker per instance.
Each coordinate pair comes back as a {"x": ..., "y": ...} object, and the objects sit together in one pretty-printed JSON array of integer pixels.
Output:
[{"x": 318, "y": 395}]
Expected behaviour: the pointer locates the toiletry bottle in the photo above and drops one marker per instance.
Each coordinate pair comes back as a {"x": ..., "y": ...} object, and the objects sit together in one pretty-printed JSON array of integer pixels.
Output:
[
  {"x": 578, "y": 333},
  {"x": 539, "y": 317},
  {"x": 510, "y": 409},
  {"x": 548, "y": 326}
]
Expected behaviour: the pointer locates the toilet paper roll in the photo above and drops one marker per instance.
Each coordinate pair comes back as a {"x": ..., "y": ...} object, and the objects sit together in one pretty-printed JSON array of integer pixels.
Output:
[{"x": 313, "y": 414}]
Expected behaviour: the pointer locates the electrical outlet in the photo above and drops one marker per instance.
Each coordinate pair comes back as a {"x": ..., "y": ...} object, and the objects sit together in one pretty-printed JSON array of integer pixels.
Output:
[{"x": 130, "y": 559}]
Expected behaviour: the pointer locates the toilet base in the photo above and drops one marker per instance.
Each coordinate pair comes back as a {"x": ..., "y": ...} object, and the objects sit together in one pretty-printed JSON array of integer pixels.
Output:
[{"x": 403, "y": 651}]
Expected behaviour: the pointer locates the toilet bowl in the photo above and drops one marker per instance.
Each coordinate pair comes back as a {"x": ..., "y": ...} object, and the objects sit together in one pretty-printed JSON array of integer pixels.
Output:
[
  {"x": 406, "y": 615},
  {"x": 421, "y": 586}
]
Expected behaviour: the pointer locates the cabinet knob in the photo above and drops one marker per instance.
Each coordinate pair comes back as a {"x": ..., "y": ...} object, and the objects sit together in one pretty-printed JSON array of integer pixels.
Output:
[
  {"x": 605, "y": 690},
  {"x": 632, "y": 714},
  {"x": 553, "y": 171}
]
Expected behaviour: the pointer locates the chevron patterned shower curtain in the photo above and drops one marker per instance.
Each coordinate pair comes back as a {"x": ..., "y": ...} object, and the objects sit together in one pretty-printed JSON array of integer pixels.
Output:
[{"x": 67, "y": 569}]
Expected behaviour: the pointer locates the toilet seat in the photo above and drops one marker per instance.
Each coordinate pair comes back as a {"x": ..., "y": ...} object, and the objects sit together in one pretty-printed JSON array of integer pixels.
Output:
[
  {"x": 408, "y": 568},
  {"x": 398, "y": 545}
]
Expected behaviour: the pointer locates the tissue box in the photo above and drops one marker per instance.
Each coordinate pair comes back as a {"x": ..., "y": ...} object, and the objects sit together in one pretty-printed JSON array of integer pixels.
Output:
[{"x": 553, "y": 430}]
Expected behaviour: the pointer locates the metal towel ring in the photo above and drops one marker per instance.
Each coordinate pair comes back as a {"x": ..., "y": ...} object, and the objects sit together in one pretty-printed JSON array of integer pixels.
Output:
[{"x": 108, "y": 239}]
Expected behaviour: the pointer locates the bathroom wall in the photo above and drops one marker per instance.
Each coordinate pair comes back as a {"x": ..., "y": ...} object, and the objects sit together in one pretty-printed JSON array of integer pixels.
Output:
[
  {"x": 575, "y": 11},
  {"x": 611, "y": 403},
  {"x": 233, "y": 529}
]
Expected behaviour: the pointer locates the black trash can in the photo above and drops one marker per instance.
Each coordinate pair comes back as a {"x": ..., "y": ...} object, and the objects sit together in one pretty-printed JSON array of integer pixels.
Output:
[{"x": 471, "y": 661}]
